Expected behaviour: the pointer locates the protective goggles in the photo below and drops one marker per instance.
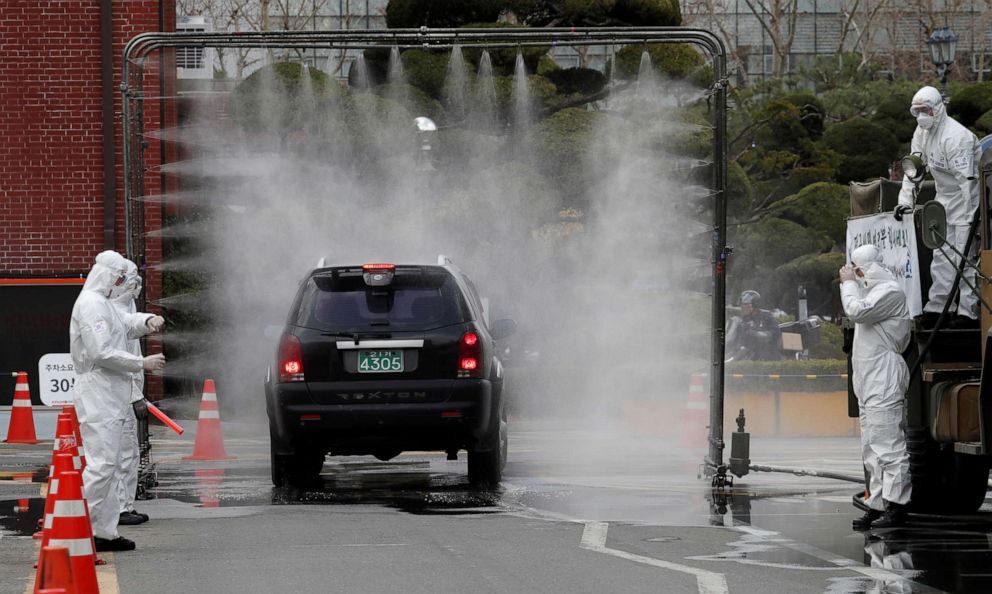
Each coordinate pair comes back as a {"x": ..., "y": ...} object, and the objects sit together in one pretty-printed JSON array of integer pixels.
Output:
[{"x": 917, "y": 110}]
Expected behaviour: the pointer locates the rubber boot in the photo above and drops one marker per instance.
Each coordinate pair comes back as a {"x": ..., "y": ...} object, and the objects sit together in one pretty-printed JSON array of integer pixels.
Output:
[
  {"x": 864, "y": 522},
  {"x": 894, "y": 517}
]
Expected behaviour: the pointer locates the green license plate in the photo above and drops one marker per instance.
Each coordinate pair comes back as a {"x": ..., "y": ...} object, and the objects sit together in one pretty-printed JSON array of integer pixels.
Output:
[{"x": 380, "y": 361}]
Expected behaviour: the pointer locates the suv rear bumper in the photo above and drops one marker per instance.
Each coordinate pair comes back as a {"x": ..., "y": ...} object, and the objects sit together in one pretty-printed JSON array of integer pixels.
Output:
[{"x": 365, "y": 427}]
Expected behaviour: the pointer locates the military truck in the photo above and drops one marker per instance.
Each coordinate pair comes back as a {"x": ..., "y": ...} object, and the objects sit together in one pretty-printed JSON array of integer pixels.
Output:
[{"x": 949, "y": 407}]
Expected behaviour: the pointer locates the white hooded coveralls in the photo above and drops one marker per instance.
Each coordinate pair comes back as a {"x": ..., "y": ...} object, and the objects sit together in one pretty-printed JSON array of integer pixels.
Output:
[
  {"x": 127, "y": 472},
  {"x": 881, "y": 376},
  {"x": 98, "y": 335},
  {"x": 951, "y": 153}
]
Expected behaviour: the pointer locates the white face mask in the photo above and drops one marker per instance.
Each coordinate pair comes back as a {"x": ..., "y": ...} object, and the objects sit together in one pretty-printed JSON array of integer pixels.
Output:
[{"x": 924, "y": 121}]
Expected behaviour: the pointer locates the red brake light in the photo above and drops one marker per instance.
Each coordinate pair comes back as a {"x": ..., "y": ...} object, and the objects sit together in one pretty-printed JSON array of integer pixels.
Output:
[
  {"x": 470, "y": 356},
  {"x": 290, "y": 359},
  {"x": 368, "y": 267}
]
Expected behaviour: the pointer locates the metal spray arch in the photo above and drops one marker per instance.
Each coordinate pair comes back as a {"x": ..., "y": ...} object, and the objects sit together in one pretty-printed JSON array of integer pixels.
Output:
[{"x": 138, "y": 48}]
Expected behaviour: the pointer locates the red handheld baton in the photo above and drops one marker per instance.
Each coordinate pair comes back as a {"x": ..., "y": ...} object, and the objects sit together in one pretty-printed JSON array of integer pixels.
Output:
[{"x": 161, "y": 416}]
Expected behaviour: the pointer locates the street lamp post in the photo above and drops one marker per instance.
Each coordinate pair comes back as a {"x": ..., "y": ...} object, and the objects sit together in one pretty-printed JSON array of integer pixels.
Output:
[{"x": 942, "y": 44}]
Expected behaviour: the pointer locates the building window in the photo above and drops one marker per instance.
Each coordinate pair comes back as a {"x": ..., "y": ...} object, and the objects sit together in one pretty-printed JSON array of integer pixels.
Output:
[{"x": 189, "y": 57}]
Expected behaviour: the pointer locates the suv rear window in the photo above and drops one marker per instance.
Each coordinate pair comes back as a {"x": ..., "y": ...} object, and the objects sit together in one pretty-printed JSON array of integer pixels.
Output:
[{"x": 417, "y": 299}]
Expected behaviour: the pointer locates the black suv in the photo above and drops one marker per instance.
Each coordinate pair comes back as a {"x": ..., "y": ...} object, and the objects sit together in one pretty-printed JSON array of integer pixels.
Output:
[{"x": 382, "y": 358}]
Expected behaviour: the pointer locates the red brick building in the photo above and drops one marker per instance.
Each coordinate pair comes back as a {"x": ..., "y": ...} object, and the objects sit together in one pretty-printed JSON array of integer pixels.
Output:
[{"x": 61, "y": 199}]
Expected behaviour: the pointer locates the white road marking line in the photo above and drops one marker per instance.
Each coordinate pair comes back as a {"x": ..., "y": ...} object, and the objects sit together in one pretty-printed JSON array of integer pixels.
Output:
[{"x": 708, "y": 582}]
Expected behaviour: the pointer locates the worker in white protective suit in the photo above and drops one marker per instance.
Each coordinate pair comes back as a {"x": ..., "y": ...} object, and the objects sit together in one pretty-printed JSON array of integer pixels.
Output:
[
  {"x": 98, "y": 335},
  {"x": 876, "y": 303},
  {"x": 127, "y": 473},
  {"x": 951, "y": 153}
]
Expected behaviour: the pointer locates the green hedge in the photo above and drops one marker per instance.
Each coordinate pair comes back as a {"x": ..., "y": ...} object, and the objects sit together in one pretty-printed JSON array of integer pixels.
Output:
[{"x": 792, "y": 376}]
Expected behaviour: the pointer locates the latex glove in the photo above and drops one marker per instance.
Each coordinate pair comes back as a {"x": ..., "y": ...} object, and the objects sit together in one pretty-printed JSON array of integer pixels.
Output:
[
  {"x": 901, "y": 210},
  {"x": 847, "y": 273},
  {"x": 154, "y": 362},
  {"x": 140, "y": 409},
  {"x": 155, "y": 323}
]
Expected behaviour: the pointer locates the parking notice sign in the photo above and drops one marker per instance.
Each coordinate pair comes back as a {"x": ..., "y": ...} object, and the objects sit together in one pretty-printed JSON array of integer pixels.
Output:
[{"x": 56, "y": 377}]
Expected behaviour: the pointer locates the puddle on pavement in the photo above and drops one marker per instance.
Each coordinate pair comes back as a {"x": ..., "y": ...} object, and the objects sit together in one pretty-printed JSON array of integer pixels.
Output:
[
  {"x": 951, "y": 555},
  {"x": 409, "y": 486},
  {"x": 19, "y": 517}
]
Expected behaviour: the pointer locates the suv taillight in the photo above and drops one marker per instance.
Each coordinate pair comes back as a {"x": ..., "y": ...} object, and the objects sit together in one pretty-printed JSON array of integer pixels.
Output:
[
  {"x": 470, "y": 356},
  {"x": 290, "y": 359}
]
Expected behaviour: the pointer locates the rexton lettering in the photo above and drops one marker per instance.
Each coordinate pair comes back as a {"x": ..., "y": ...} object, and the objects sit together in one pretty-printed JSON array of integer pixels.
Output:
[{"x": 380, "y": 396}]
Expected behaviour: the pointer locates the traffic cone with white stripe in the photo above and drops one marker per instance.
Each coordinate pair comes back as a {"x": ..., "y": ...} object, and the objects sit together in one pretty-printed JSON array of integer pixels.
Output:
[
  {"x": 209, "y": 437},
  {"x": 61, "y": 463},
  {"x": 21, "y": 429},
  {"x": 54, "y": 572},
  {"x": 65, "y": 442},
  {"x": 71, "y": 529},
  {"x": 71, "y": 410},
  {"x": 695, "y": 416}
]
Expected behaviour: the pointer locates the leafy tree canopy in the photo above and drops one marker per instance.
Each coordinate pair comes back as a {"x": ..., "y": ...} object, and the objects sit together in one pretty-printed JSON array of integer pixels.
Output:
[
  {"x": 967, "y": 105},
  {"x": 409, "y": 14},
  {"x": 868, "y": 149},
  {"x": 822, "y": 206}
]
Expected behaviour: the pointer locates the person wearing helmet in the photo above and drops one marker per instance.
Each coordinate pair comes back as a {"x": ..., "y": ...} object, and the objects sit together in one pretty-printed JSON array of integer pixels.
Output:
[
  {"x": 876, "y": 303},
  {"x": 104, "y": 367},
  {"x": 127, "y": 471},
  {"x": 757, "y": 333},
  {"x": 951, "y": 153}
]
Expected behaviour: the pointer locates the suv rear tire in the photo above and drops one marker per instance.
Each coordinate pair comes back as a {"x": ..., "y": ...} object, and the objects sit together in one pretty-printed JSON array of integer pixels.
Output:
[
  {"x": 298, "y": 470},
  {"x": 485, "y": 468}
]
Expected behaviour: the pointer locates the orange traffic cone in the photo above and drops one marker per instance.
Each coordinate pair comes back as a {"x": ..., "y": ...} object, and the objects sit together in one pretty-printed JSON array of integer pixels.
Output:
[
  {"x": 79, "y": 436},
  {"x": 54, "y": 572},
  {"x": 21, "y": 428},
  {"x": 209, "y": 438},
  {"x": 71, "y": 529},
  {"x": 66, "y": 442},
  {"x": 695, "y": 416},
  {"x": 61, "y": 463}
]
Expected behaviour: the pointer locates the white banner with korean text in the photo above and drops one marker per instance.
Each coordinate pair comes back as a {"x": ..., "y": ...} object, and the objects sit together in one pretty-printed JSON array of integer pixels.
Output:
[{"x": 896, "y": 240}]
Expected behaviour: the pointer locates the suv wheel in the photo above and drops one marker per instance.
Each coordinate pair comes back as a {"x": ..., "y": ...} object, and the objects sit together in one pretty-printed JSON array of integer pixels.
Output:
[
  {"x": 277, "y": 466},
  {"x": 485, "y": 468},
  {"x": 299, "y": 470}
]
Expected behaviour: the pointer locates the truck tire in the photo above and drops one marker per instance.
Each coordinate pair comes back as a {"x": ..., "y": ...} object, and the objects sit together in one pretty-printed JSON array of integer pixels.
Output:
[{"x": 944, "y": 481}]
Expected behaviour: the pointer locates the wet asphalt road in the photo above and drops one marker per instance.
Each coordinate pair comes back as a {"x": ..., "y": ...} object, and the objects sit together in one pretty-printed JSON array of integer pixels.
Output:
[{"x": 582, "y": 509}]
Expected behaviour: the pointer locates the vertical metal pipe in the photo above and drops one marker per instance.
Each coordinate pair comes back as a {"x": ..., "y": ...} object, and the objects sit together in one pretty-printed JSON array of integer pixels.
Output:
[
  {"x": 107, "y": 123},
  {"x": 719, "y": 314}
]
